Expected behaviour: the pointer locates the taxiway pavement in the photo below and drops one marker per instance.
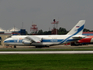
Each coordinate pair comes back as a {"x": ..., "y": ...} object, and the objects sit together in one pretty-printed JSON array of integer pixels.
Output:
[{"x": 46, "y": 52}]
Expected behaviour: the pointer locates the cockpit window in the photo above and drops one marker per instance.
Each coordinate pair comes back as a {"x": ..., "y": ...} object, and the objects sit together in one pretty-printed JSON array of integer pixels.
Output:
[{"x": 8, "y": 37}]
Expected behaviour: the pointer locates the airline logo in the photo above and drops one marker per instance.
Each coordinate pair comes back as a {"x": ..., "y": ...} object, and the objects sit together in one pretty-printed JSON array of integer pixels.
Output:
[{"x": 77, "y": 26}]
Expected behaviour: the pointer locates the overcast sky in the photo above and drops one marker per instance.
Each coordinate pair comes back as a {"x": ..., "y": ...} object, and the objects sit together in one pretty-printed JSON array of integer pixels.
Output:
[{"x": 42, "y": 13}]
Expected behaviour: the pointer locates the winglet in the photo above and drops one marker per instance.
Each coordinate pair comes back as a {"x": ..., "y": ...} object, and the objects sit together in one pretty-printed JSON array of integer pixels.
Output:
[{"x": 77, "y": 29}]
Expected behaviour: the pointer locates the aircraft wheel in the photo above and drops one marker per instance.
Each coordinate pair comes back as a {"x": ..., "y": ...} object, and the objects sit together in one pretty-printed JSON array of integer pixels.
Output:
[
  {"x": 38, "y": 46},
  {"x": 14, "y": 46},
  {"x": 47, "y": 46},
  {"x": 74, "y": 44}
]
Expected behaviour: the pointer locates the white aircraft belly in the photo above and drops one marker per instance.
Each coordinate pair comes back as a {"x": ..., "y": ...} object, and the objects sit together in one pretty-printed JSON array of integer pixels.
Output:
[
  {"x": 45, "y": 43},
  {"x": 14, "y": 43}
]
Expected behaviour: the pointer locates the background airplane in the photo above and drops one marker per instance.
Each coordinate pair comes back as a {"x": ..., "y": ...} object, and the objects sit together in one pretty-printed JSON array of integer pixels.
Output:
[
  {"x": 47, "y": 40},
  {"x": 84, "y": 41}
]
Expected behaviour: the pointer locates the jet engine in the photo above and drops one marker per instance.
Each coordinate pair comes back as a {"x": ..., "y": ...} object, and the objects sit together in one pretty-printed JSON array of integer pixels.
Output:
[{"x": 26, "y": 41}]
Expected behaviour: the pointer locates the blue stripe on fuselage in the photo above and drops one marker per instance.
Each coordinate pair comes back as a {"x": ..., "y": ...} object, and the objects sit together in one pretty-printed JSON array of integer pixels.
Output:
[
  {"x": 13, "y": 41},
  {"x": 52, "y": 40},
  {"x": 44, "y": 40}
]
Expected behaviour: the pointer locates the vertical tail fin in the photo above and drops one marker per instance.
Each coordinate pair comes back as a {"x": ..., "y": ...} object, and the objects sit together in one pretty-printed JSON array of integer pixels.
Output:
[{"x": 77, "y": 29}]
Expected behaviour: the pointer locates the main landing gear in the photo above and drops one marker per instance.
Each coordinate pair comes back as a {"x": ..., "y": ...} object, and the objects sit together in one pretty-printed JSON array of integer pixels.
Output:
[
  {"x": 14, "y": 46},
  {"x": 41, "y": 46}
]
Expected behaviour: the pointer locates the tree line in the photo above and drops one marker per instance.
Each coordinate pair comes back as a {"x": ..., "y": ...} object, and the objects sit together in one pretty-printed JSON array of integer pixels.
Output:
[{"x": 60, "y": 31}]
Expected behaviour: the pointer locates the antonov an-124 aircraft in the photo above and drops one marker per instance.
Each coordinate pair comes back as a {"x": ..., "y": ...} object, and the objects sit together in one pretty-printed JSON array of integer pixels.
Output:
[{"x": 47, "y": 40}]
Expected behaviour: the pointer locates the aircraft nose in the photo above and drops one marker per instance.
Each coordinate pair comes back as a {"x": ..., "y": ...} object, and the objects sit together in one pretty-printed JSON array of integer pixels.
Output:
[{"x": 5, "y": 41}]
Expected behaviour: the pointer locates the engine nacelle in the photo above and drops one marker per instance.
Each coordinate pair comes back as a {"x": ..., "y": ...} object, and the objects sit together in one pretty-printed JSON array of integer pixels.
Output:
[{"x": 26, "y": 42}]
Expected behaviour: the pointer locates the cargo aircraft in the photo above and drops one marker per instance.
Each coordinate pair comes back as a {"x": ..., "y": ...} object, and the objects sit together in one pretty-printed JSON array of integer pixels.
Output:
[{"x": 47, "y": 40}]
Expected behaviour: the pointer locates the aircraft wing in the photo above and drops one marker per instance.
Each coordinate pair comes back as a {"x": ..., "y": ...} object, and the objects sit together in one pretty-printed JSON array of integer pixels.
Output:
[
  {"x": 78, "y": 37},
  {"x": 35, "y": 39}
]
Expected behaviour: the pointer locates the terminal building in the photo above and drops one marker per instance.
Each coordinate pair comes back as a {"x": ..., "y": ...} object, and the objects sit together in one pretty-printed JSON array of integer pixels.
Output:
[
  {"x": 2, "y": 31},
  {"x": 13, "y": 31},
  {"x": 9, "y": 32}
]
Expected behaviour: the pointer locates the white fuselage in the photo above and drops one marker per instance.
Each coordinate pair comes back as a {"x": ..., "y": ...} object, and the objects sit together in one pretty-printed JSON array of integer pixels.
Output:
[{"x": 46, "y": 40}]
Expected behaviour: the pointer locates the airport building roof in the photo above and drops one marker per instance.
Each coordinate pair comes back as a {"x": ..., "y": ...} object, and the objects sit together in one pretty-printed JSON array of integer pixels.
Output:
[
  {"x": 14, "y": 29},
  {"x": 1, "y": 30}
]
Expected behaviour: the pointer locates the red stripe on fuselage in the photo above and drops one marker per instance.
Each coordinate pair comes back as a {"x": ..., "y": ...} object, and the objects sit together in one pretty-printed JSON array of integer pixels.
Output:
[{"x": 85, "y": 40}]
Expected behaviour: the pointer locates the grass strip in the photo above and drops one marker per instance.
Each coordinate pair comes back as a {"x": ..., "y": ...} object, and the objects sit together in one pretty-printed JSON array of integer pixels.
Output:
[
  {"x": 23, "y": 49},
  {"x": 46, "y": 62}
]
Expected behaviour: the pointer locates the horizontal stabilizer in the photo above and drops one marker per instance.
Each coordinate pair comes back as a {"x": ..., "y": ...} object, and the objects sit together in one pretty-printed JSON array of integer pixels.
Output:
[{"x": 79, "y": 37}]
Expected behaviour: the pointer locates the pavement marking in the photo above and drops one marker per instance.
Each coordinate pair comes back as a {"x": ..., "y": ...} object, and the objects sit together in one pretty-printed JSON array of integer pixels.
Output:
[{"x": 46, "y": 52}]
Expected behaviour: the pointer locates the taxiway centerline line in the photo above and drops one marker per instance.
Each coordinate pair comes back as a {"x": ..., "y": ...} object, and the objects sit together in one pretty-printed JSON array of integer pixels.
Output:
[{"x": 46, "y": 52}]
